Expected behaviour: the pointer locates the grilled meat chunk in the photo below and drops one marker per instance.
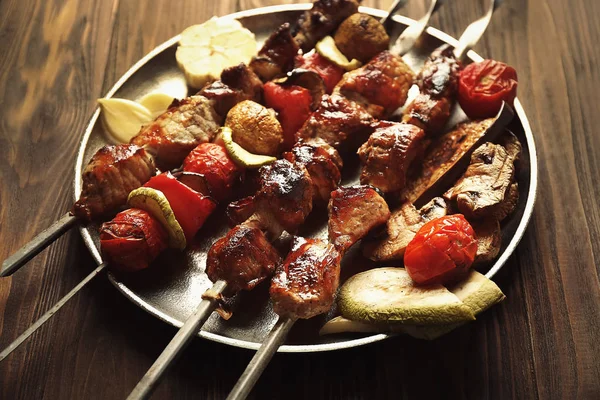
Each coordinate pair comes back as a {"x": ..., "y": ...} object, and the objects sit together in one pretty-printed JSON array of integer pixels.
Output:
[
  {"x": 111, "y": 174},
  {"x": 277, "y": 54},
  {"x": 305, "y": 283},
  {"x": 428, "y": 113},
  {"x": 484, "y": 186},
  {"x": 339, "y": 122},
  {"x": 387, "y": 155},
  {"x": 323, "y": 163},
  {"x": 322, "y": 19},
  {"x": 243, "y": 258},
  {"x": 237, "y": 84},
  {"x": 381, "y": 86},
  {"x": 176, "y": 132},
  {"x": 353, "y": 212},
  {"x": 439, "y": 75},
  {"x": 401, "y": 228},
  {"x": 489, "y": 239}
]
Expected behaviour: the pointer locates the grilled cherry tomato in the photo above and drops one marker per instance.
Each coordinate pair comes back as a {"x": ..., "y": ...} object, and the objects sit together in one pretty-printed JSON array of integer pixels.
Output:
[
  {"x": 190, "y": 207},
  {"x": 292, "y": 103},
  {"x": 330, "y": 72},
  {"x": 132, "y": 240},
  {"x": 484, "y": 85},
  {"x": 212, "y": 161},
  {"x": 442, "y": 251}
]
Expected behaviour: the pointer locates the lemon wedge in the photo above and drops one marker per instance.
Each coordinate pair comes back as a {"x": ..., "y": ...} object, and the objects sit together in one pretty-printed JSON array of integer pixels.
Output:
[
  {"x": 157, "y": 103},
  {"x": 241, "y": 156},
  {"x": 124, "y": 118},
  {"x": 205, "y": 50},
  {"x": 327, "y": 48}
]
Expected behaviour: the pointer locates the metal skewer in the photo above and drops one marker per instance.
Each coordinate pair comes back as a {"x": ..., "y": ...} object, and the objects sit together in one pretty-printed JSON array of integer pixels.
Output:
[
  {"x": 475, "y": 31},
  {"x": 413, "y": 32},
  {"x": 396, "y": 5}
]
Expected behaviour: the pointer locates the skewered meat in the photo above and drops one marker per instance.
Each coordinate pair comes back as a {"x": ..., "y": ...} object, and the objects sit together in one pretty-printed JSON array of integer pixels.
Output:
[
  {"x": 339, "y": 122},
  {"x": 322, "y": 19},
  {"x": 243, "y": 258},
  {"x": 381, "y": 86},
  {"x": 428, "y": 113},
  {"x": 484, "y": 186},
  {"x": 277, "y": 54},
  {"x": 237, "y": 84},
  {"x": 111, "y": 174},
  {"x": 176, "y": 132},
  {"x": 489, "y": 239},
  {"x": 387, "y": 155},
  {"x": 240, "y": 210},
  {"x": 353, "y": 212},
  {"x": 305, "y": 283},
  {"x": 323, "y": 163},
  {"x": 401, "y": 228}
]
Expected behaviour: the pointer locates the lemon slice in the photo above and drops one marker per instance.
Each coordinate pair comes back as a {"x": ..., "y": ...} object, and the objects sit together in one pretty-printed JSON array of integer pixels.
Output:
[
  {"x": 124, "y": 118},
  {"x": 327, "y": 48},
  {"x": 156, "y": 203},
  {"x": 241, "y": 156},
  {"x": 205, "y": 50},
  {"x": 157, "y": 103}
]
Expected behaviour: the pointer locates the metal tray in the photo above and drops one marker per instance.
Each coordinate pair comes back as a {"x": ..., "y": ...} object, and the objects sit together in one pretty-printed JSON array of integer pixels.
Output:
[{"x": 170, "y": 289}]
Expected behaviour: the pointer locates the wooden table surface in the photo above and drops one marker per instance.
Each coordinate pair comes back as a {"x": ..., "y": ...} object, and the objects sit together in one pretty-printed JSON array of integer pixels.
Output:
[{"x": 542, "y": 342}]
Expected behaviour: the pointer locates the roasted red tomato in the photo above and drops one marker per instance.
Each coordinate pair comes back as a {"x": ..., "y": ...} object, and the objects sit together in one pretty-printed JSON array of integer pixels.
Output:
[
  {"x": 212, "y": 161},
  {"x": 330, "y": 72},
  {"x": 190, "y": 207},
  {"x": 442, "y": 251},
  {"x": 132, "y": 240},
  {"x": 292, "y": 103},
  {"x": 484, "y": 85}
]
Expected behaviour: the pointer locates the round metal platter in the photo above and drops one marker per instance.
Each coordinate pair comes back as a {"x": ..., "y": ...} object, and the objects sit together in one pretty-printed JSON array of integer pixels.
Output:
[{"x": 171, "y": 288}]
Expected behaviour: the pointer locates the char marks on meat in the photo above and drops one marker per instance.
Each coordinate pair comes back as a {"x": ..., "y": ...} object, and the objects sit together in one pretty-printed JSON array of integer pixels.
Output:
[
  {"x": 353, "y": 212},
  {"x": 340, "y": 122},
  {"x": 277, "y": 54},
  {"x": 305, "y": 283},
  {"x": 237, "y": 84},
  {"x": 243, "y": 258},
  {"x": 428, "y": 113},
  {"x": 111, "y": 174},
  {"x": 489, "y": 239},
  {"x": 401, "y": 228},
  {"x": 381, "y": 86},
  {"x": 176, "y": 132},
  {"x": 387, "y": 155},
  {"x": 322, "y": 19}
]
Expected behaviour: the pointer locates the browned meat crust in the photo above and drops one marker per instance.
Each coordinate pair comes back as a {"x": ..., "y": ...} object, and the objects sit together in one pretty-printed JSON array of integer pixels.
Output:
[
  {"x": 439, "y": 75},
  {"x": 387, "y": 155},
  {"x": 277, "y": 54},
  {"x": 322, "y": 19},
  {"x": 305, "y": 283},
  {"x": 381, "y": 86},
  {"x": 489, "y": 239},
  {"x": 401, "y": 228},
  {"x": 111, "y": 174},
  {"x": 428, "y": 113},
  {"x": 176, "y": 132},
  {"x": 353, "y": 212}
]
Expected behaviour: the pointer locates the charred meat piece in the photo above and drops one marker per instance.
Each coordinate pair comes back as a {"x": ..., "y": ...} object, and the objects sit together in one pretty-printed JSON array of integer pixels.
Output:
[
  {"x": 401, "y": 228},
  {"x": 484, "y": 186},
  {"x": 321, "y": 160},
  {"x": 353, "y": 212},
  {"x": 428, "y": 113},
  {"x": 111, "y": 174},
  {"x": 439, "y": 75},
  {"x": 243, "y": 258},
  {"x": 305, "y": 283},
  {"x": 339, "y": 122},
  {"x": 277, "y": 54},
  {"x": 387, "y": 155},
  {"x": 176, "y": 132},
  {"x": 322, "y": 19},
  {"x": 240, "y": 210},
  {"x": 381, "y": 86},
  {"x": 489, "y": 239},
  {"x": 237, "y": 84}
]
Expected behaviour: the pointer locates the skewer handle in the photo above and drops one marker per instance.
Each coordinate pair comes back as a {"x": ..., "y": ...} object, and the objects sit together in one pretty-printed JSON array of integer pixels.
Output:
[
  {"x": 37, "y": 244},
  {"x": 261, "y": 359},
  {"x": 475, "y": 31},
  {"x": 398, "y": 4},
  {"x": 413, "y": 32},
  {"x": 148, "y": 383}
]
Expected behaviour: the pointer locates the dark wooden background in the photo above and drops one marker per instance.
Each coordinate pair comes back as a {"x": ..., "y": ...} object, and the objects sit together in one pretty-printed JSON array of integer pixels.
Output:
[{"x": 57, "y": 57}]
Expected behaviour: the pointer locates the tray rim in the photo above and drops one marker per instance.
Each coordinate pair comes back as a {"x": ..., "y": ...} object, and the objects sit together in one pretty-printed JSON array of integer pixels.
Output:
[{"x": 519, "y": 233}]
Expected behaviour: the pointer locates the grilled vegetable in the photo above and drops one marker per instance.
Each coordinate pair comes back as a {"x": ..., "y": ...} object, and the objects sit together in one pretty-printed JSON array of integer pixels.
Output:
[
  {"x": 442, "y": 251},
  {"x": 240, "y": 155},
  {"x": 328, "y": 49},
  {"x": 361, "y": 37},
  {"x": 123, "y": 118},
  {"x": 157, "y": 103},
  {"x": 255, "y": 128},
  {"x": 329, "y": 71}
]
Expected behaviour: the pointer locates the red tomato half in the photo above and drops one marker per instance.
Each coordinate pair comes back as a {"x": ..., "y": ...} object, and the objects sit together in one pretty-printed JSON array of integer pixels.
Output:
[
  {"x": 292, "y": 103},
  {"x": 442, "y": 251},
  {"x": 330, "y": 72},
  {"x": 484, "y": 85}
]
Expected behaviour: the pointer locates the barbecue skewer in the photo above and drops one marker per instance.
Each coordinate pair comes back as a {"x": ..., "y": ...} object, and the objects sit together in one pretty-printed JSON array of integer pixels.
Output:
[
  {"x": 278, "y": 334},
  {"x": 413, "y": 32}
]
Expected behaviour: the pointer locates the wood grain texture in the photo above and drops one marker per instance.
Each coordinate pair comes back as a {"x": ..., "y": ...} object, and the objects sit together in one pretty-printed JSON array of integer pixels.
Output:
[{"x": 541, "y": 343}]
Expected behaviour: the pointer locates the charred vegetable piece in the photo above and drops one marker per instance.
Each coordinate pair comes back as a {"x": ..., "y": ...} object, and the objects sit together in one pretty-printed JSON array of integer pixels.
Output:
[
  {"x": 327, "y": 48},
  {"x": 241, "y": 156},
  {"x": 330, "y": 72},
  {"x": 362, "y": 37},
  {"x": 255, "y": 128},
  {"x": 132, "y": 240},
  {"x": 442, "y": 251}
]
